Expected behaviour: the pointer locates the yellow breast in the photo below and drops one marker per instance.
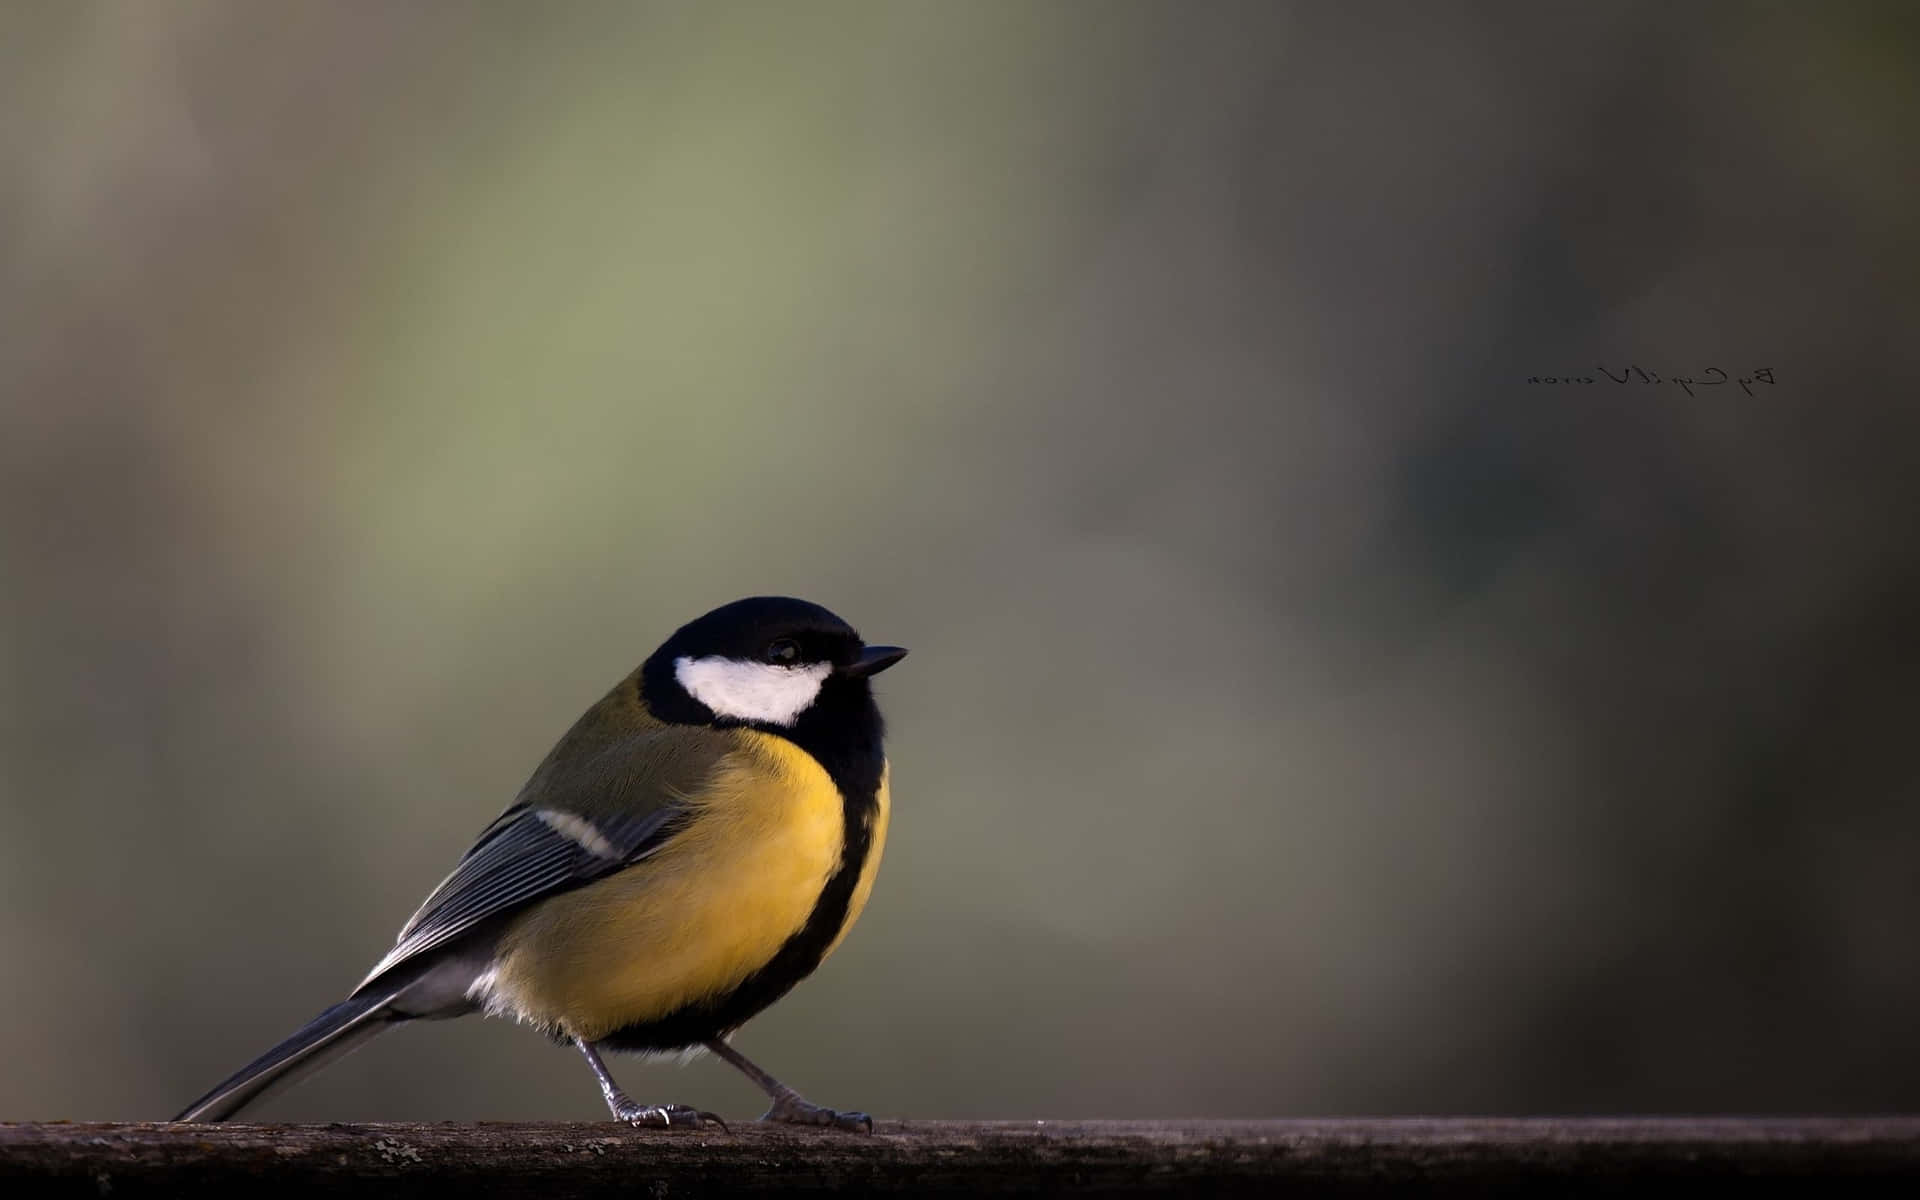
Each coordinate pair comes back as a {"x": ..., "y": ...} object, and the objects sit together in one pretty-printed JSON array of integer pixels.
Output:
[{"x": 694, "y": 920}]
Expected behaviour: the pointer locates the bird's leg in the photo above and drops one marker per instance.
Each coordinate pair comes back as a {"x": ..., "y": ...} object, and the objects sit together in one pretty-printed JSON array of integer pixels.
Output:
[
  {"x": 788, "y": 1107},
  {"x": 660, "y": 1116}
]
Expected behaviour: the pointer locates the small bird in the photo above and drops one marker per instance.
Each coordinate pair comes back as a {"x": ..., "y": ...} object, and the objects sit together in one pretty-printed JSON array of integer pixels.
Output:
[{"x": 697, "y": 843}]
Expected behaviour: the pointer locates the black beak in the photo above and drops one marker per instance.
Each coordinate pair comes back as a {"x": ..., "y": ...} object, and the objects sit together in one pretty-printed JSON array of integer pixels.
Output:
[{"x": 873, "y": 660}]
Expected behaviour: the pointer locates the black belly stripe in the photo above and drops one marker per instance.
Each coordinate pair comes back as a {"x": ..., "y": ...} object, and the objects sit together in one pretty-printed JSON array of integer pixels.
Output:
[{"x": 843, "y": 732}]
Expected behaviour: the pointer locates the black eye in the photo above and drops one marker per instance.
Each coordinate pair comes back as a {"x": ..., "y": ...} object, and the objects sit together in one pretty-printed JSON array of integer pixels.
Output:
[{"x": 784, "y": 651}]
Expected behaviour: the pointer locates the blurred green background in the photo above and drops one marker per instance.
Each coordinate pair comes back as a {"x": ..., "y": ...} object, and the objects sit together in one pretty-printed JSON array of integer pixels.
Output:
[{"x": 1307, "y": 714}]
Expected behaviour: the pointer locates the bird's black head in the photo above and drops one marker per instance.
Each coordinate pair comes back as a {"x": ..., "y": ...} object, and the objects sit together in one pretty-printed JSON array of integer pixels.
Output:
[{"x": 766, "y": 661}]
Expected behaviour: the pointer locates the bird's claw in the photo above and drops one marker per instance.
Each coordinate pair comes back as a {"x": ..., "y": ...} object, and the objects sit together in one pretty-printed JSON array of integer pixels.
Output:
[
  {"x": 666, "y": 1116},
  {"x": 799, "y": 1112}
]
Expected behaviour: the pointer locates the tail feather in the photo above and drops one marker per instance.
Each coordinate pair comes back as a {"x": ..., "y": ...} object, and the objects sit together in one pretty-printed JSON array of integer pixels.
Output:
[{"x": 327, "y": 1037}]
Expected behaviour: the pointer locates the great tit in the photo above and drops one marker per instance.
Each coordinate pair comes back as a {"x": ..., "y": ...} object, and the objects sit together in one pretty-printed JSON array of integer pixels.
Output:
[{"x": 697, "y": 843}]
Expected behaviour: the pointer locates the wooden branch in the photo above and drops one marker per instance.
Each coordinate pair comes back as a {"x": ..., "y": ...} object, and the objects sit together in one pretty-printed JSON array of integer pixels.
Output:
[{"x": 1561, "y": 1156}]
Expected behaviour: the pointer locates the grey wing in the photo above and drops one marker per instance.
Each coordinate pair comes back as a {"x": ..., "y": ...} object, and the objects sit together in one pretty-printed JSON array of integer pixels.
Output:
[
  {"x": 636, "y": 791},
  {"x": 528, "y": 853}
]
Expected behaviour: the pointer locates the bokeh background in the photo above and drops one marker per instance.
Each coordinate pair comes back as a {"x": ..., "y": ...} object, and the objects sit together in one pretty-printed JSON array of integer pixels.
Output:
[{"x": 1307, "y": 714}]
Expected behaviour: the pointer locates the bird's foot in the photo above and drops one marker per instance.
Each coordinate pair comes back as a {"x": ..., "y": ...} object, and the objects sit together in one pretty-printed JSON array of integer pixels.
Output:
[
  {"x": 795, "y": 1111},
  {"x": 664, "y": 1116}
]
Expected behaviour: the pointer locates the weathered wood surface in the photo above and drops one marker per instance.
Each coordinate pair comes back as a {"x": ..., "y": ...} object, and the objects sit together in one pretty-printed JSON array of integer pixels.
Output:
[{"x": 1835, "y": 1155}]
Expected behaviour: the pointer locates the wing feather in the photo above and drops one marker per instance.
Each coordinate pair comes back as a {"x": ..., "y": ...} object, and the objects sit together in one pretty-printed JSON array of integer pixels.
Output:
[{"x": 547, "y": 842}]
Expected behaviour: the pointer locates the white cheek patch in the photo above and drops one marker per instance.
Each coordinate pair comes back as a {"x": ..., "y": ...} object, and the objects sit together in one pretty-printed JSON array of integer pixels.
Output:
[{"x": 751, "y": 691}]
